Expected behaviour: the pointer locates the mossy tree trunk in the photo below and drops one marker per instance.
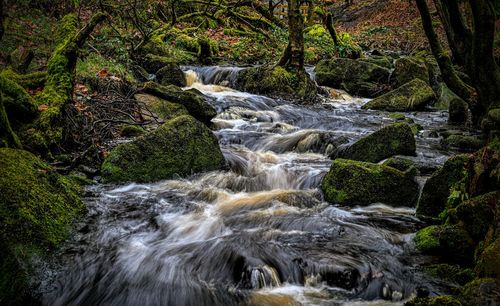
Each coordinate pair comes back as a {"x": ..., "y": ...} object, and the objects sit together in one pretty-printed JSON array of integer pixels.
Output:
[
  {"x": 450, "y": 76},
  {"x": 7, "y": 136},
  {"x": 293, "y": 57},
  {"x": 328, "y": 20}
]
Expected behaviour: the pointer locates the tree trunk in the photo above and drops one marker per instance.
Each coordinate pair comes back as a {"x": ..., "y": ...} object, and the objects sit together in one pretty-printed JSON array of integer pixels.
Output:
[
  {"x": 331, "y": 28},
  {"x": 293, "y": 56},
  {"x": 450, "y": 76},
  {"x": 2, "y": 29},
  {"x": 7, "y": 136},
  {"x": 484, "y": 71}
]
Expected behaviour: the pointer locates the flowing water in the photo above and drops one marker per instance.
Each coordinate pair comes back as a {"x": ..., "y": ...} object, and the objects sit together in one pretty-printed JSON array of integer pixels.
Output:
[{"x": 256, "y": 234}]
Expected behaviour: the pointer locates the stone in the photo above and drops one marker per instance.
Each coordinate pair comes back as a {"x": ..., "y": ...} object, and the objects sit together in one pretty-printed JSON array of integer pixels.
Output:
[{"x": 407, "y": 69}]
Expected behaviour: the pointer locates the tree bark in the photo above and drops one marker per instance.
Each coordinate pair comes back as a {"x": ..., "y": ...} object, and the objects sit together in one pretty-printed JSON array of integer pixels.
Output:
[
  {"x": 331, "y": 28},
  {"x": 295, "y": 52},
  {"x": 450, "y": 76}
]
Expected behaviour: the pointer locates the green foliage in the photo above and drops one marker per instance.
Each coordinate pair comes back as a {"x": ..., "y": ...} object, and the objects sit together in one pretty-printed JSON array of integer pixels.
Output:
[{"x": 89, "y": 66}]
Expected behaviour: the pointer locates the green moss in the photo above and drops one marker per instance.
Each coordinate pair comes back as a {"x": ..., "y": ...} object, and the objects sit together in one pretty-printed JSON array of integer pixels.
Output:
[
  {"x": 18, "y": 104},
  {"x": 163, "y": 109},
  {"x": 401, "y": 164},
  {"x": 436, "y": 191},
  {"x": 90, "y": 66},
  {"x": 409, "y": 68},
  {"x": 413, "y": 95},
  {"x": 32, "y": 80},
  {"x": 427, "y": 239},
  {"x": 182, "y": 146},
  {"x": 451, "y": 273},
  {"x": 478, "y": 214},
  {"x": 391, "y": 140},
  {"x": 357, "y": 77},
  {"x": 463, "y": 143},
  {"x": 128, "y": 130},
  {"x": 37, "y": 208},
  {"x": 277, "y": 82},
  {"x": 187, "y": 43},
  {"x": 434, "y": 301},
  {"x": 194, "y": 103},
  {"x": 8, "y": 138},
  {"x": 481, "y": 291},
  {"x": 397, "y": 116},
  {"x": 360, "y": 183},
  {"x": 488, "y": 263}
]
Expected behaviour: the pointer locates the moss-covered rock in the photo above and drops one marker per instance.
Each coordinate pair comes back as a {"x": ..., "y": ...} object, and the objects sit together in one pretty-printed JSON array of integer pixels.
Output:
[
  {"x": 171, "y": 75},
  {"x": 357, "y": 77},
  {"x": 152, "y": 63},
  {"x": 488, "y": 263},
  {"x": 492, "y": 120},
  {"x": 458, "y": 112},
  {"x": 181, "y": 146},
  {"x": 399, "y": 163},
  {"x": 427, "y": 239},
  {"x": 482, "y": 291},
  {"x": 445, "y": 300},
  {"x": 37, "y": 208},
  {"x": 463, "y": 143},
  {"x": 414, "y": 95},
  {"x": 382, "y": 61},
  {"x": 437, "y": 188},
  {"x": 360, "y": 183},
  {"x": 163, "y": 109},
  {"x": 19, "y": 105},
  {"x": 277, "y": 82},
  {"x": 407, "y": 69},
  {"x": 478, "y": 214},
  {"x": 128, "y": 130},
  {"x": 451, "y": 273},
  {"x": 194, "y": 103},
  {"x": 391, "y": 140}
]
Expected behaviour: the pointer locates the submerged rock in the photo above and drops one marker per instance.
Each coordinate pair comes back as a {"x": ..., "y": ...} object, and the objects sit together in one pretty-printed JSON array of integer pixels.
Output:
[
  {"x": 194, "y": 103},
  {"x": 414, "y": 95},
  {"x": 391, "y": 140},
  {"x": 437, "y": 188},
  {"x": 181, "y": 146},
  {"x": 407, "y": 69},
  {"x": 360, "y": 183},
  {"x": 37, "y": 208},
  {"x": 358, "y": 77}
]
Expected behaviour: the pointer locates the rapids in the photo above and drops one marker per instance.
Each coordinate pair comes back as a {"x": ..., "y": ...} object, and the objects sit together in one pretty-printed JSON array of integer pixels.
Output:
[{"x": 256, "y": 234}]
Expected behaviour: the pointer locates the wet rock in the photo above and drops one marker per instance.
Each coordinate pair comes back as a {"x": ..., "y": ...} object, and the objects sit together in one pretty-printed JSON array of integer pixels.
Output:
[
  {"x": 37, "y": 208},
  {"x": 414, "y": 95},
  {"x": 195, "y": 104},
  {"x": 277, "y": 82},
  {"x": 161, "y": 108},
  {"x": 451, "y": 273},
  {"x": 399, "y": 163},
  {"x": 382, "y": 61},
  {"x": 434, "y": 301},
  {"x": 462, "y": 143},
  {"x": 171, "y": 74},
  {"x": 488, "y": 263},
  {"x": 152, "y": 63},
  {"x": 181, "y": 146},
  {"x": 458, "y": 112},
  {"x": 358, "y": 77},
  {"x": 391, "y": 140},
  {"x": 482, "y": 291},
  {"x": 407, "y": 69},
  {"x": 445, "y": 96},
  {"x": 492, "y": 120},
  {"x": 360, "y": 183},
  {"x": 437, "y": 188},
  {"x": 478, "y": 214}
]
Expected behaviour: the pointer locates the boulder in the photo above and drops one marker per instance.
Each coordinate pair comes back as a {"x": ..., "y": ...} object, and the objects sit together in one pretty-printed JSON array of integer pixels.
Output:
[
  {"x": 382, "y": 61},
  {"x": 414, "y": 95},
  {"x": 478, "y": 214},
  {"x": 195, "y": 104},
  {"x": 407, "y": 69},
  {"x": 462, "y": 143},
  {"x": 458, "y": 112},
  {"x": 399, "y": 163},
  {"x": 437, "y": 188},
  {"x": 180, "y": 147},
  {"x": 482, "y": 291},
  {"x": 37, "y": 208},
  {"x": 360, "y": 183},
  {"x": 163, "y": 109},
  {"x": 445, "y": 96},
  {"x": 391, "y": 140},
  {"x": 358, "y": 77},
  {"x": 152, "y": 63},
  {"x": 492, "y": 120},
  {"x": 171, "y": 74},
  {"x": 488, "y": 263},
  {"x": 277, "y": 82}
]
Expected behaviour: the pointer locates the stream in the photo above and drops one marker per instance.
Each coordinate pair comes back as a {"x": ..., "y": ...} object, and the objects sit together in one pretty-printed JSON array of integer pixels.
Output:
[{"x": 258, "y": 233}]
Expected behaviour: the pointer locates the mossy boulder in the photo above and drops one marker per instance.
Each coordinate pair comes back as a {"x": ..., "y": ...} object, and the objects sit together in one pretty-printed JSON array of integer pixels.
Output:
[
  {"x": 399, "y": 163},
  {"x": 451, "y": 273},
  {"x": 391, "y": 140},
  {"x": 407, "y": 69},
  {"x": 478, "y": 214},
  {"x": 488, "y": 263},
  {"x": 382, "y": 61},
  {"x": 437, "y": 188},
  {"x": 463, "y": 143},
  {"x": 152, "y": 63},
  {"x": 195, "y": 104},
  {"x": 458, "y": 112},
  {"x": 414, "y": 95},
  {"x": 37, "y": 208},
  {"x": 171, "y": 74},
  {"x": 482, "y": 291},
  {"x": 360, "y": 183},
  {"x": 128, "y": 130},
  {"x": 445, "y": 300},
  {"x": 492, "y": 120},
  {"x": 451, "y": 241},
  {"x": 163, "y": 109},
  {"x": 277, "y": 82},
  {"x": 357, "y": 77},
  {"x": 180, "y": 147}
]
